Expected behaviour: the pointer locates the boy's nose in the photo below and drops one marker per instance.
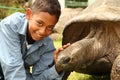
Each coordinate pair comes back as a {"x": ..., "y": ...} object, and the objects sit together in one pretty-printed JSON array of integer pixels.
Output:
[{"x": 42, "y": 31}]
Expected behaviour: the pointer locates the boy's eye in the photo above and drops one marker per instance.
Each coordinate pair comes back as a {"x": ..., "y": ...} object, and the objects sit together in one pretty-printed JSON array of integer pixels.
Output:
[
  {"x": 50, "y": 28},
  {"x": 40, "y": 23}
]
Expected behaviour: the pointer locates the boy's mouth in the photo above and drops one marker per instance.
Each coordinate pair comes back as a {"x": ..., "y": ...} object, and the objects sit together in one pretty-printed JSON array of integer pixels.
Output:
[{"x": 39, "y": 36}]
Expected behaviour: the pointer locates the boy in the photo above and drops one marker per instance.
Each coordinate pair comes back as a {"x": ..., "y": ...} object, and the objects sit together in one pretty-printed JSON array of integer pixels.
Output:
[{"x": 25, "y": 42}]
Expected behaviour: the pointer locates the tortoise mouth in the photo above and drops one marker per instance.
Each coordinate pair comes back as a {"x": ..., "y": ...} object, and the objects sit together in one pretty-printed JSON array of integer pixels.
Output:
[
  {"x": 67, "y": 63},
  {"x": 64, "y": 61}
]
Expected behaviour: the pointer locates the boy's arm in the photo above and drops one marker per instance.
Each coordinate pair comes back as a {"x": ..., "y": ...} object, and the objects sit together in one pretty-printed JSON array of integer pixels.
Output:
[
  {"x": 10, "y": 53},
  {"x": 44, "y": 69}
]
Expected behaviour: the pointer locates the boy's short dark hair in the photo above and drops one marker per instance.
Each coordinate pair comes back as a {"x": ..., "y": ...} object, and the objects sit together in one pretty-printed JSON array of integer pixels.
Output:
[{"x": 51, "y": 6}]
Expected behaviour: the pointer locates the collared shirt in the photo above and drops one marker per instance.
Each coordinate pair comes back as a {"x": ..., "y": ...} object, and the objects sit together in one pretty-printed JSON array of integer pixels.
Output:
[{"x": 14, "y": 52}]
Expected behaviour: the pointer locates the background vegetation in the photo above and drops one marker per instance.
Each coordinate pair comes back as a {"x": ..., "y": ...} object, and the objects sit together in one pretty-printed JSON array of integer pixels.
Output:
[{"x": 8, "y": 7}]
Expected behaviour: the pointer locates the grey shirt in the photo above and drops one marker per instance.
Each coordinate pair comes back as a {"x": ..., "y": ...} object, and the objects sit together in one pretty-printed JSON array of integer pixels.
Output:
[{"x": 14, "y": 52}]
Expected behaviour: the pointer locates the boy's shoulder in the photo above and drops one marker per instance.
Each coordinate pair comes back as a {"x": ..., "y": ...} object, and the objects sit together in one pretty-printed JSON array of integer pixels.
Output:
[
  {"x": 17, "y": 15},
  {"x": 48, "y": 39},
  {"x": 15, "y": 18}
]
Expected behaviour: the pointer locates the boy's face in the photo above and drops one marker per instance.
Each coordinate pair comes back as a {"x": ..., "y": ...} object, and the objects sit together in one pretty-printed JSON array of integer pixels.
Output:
[{"x": 40, "y": 24}]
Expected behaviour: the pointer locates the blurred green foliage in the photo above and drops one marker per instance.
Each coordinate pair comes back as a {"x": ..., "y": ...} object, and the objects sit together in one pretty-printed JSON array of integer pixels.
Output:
[
  {"x": 81, "y": 76},
  {"x": 8, "y": 7},
  {"x": 78, "y": 0},
  {"x": 76, "y": 3}
]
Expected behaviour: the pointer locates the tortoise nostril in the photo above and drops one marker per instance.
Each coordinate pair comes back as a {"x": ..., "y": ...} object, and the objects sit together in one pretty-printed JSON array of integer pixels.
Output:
[{"x": 66, "y": 60}]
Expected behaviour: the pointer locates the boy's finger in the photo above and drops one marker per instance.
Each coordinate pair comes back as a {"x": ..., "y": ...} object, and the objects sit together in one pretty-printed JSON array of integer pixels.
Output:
[{"x": 65, "y": 46}]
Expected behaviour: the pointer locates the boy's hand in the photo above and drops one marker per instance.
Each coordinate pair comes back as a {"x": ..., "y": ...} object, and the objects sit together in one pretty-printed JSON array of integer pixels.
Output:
[{"x": 56, "y": 52}]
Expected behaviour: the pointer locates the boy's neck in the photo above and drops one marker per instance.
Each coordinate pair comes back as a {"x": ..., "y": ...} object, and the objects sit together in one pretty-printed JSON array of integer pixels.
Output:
[{"x": 29, "y": 38}]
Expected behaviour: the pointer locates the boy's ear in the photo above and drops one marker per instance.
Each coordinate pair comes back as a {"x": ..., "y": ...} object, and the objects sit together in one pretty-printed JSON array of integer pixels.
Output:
[{"x": 28, "y": 13}]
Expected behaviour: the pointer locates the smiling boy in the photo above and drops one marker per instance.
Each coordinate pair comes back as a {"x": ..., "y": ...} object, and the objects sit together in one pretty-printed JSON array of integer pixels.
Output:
[{"x": 25, "y": 42}]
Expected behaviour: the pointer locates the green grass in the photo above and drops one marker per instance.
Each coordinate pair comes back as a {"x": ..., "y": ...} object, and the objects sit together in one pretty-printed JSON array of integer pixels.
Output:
[
  {"x": 58, "y": 43},
  {"x": 80, "y": 76}
]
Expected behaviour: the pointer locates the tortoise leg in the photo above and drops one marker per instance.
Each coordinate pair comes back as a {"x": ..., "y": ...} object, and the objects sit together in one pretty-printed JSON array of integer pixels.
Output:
[{"x": 115, "y": 73}]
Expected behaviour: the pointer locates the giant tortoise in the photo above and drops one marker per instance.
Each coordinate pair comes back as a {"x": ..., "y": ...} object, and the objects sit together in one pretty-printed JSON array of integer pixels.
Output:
[{"x": 95, "y": 41}]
